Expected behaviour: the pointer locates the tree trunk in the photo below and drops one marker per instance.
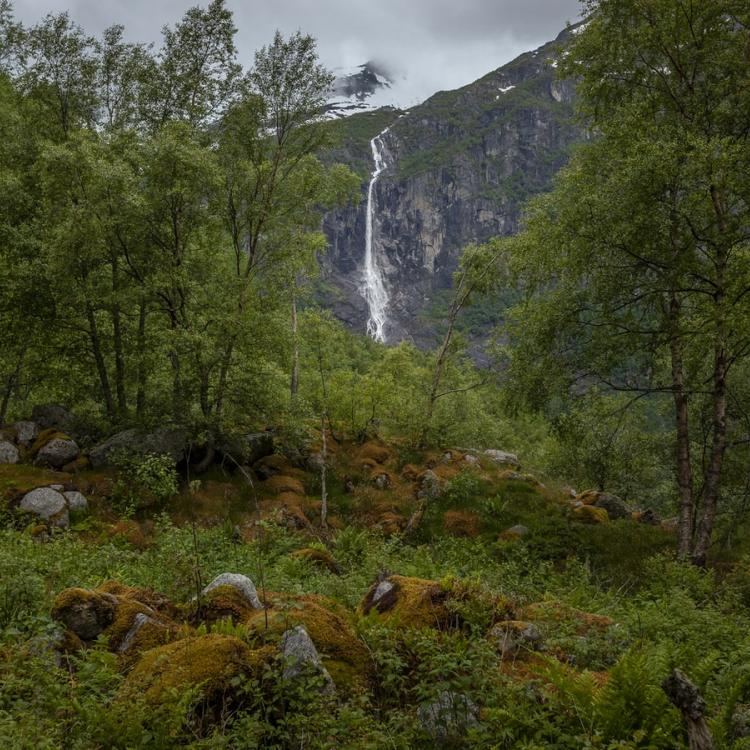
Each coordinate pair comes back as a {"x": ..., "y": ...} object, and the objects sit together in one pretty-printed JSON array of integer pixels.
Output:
[
  {"x": 101, "y": 365},
  {"x": 122, "y": 403},
  {"x": 323, "y": 489},
  {"x": 712, "y": 481},
  {"x": 294, "y": 382},
  {"x": 455, "y": 308},
  {"x": 684, "y": 468},
  {"x": 10, "y": 386},
  {"x": 140, "y": 398},
  {"x": 685, "y": 696}
]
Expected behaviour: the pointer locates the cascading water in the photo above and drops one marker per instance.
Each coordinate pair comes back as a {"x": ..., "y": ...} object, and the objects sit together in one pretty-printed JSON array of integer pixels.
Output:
[{"x": 373, "y": 286}]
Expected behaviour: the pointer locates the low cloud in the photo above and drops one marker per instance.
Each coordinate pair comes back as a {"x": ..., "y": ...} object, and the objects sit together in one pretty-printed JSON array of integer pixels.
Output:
[{"x": 435, "y": 44}]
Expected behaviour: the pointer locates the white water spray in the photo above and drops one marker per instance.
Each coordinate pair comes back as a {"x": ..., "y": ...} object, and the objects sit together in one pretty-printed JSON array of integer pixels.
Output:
[{"x": 373, "y": 287}]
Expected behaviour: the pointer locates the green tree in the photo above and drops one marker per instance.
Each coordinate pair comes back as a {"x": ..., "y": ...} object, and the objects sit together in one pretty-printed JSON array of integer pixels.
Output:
[{"x": 637, "y": 264}]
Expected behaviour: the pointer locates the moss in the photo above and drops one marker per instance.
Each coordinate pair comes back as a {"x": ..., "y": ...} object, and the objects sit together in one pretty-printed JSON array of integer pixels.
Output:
[
  {"x": 124, "y": 619},
  {"x": 343, "y": 654},
  {"x": 410, "y": 472},
  {"x": 462, "y": 523},
  {"x": 44, "y": 437},
  {"x": 589, "y": 497},
  {"x": 209, "y": 663},
  {"x": 280, "y": 484},
  {"x": 317, "y": 557},
  {"x": 81, "y": 463},
  {"x": 591, "y": 514},
  {"x": 225, "y": 602},
  {"x": 87, "y": 613},
  {"x": 376, "y": 452},
  {"x": 411, "y": 602}
]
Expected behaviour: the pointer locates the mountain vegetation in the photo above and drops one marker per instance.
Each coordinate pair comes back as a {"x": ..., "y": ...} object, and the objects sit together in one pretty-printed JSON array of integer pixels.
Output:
[{"x": 229, "y": 521}]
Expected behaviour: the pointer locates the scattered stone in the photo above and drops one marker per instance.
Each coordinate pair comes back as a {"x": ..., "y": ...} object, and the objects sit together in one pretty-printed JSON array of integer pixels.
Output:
[
  {"x": 26, "y": 432},
  {"x": 383, "y": 588},
  {"x": 449, "y": 716},
  {"x": 429, "y": 486},
  {"x": 301, "y": 657},
  {"x": 8, "y": 453},
  {"x": 471, "y": 460},
  {"x": 502, "y": 457},
  {"x": 240, "y": 582},
  {"x": 57, "y": 452},
  {"x": 76, "y": 500},
  {"x": 382, "y": 481},
  {"x": 447, "y": 457},
  {"x": 48, "y": 504},
  {"x": 513, "y": 635}
]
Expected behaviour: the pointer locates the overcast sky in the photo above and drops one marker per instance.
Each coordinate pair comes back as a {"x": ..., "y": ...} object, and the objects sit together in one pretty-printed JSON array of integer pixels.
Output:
[{"x": 436, "y": 44}]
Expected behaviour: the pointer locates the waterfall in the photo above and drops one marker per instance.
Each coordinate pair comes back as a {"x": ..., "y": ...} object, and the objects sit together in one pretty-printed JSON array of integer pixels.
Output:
[{"x": 373, "y": 286}]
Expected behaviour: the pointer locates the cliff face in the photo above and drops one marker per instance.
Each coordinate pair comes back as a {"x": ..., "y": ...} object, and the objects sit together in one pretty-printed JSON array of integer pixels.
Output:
[{"x": 459, "y": 168}]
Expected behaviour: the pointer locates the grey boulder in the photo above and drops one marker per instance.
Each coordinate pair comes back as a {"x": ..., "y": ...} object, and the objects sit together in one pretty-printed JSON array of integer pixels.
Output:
[
  {"x": 8, "y": 453},
  {"x": 301, "y": 657},
  {"x": 58, "y": 452},
  {"x": 502, "y": 457},
  {"x": 429, "y": 486},
  {"x": 47, "y": 504},
  {"x": 240, "y": 582},
  {"x": 166, "y": 441},
  {"x": 76, "y": 500},
  {"x": 52, "y": 415},
  {"x": 26, "y": 432}
]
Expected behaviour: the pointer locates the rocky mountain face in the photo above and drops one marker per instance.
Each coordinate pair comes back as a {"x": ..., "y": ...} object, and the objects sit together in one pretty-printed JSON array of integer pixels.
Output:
[{"x": 458, "y": 169}]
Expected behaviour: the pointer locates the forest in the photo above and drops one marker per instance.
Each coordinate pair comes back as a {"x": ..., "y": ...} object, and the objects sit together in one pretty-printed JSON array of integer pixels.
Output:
[{"x": 227, "y": 520}]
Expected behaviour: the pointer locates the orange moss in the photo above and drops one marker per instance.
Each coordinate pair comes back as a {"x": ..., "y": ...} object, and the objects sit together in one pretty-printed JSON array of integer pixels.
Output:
[
  {"x": 462, "y": 523},
  {"x": 373, "y": 451},
  {"x": 410, "y": 472},
  {"x": 79, "y": 464},
  {"x": 591, "y": 514},
  {"x": 589, "y": 497},
  {"x": 44, "y": 437},
  {"x": 280, "y": 484},
  {"x": 131, "y": 532},
  {"x": 390, "y": 523}
]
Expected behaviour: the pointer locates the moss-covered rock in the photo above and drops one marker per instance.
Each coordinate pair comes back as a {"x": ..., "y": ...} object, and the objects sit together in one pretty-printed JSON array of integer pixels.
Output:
[
  {"x": 590, "y": 514},
  {"x": 410, "y": 602},
  {"x": 327, "y": 623},
  {"x": 86, "y": 613},
  {"x": 213, "y": 666}
]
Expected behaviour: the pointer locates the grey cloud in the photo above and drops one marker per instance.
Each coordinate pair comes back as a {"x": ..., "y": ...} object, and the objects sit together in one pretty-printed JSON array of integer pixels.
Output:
[{"x": 437, "y": 44}]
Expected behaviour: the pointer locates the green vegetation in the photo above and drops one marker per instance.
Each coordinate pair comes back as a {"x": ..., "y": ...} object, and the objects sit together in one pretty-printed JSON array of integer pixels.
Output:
[{"x": 391, "y": 575}]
